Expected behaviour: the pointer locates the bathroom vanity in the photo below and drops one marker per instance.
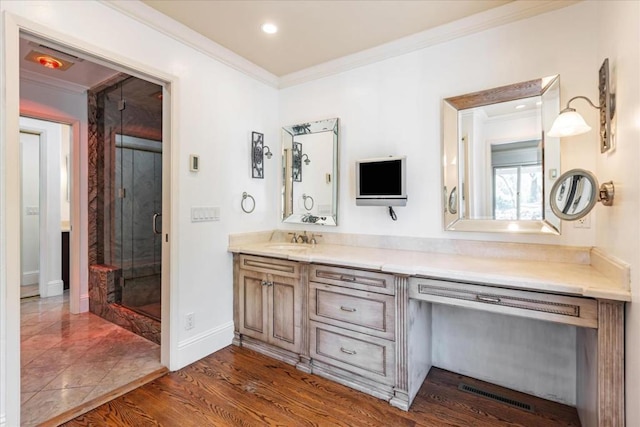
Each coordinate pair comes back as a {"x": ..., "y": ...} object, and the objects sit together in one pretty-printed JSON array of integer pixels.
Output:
[{"x": 361, "y": 315}]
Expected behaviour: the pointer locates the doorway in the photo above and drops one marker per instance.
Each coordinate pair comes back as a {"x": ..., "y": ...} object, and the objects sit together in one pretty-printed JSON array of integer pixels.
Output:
[
  {"x": 45, "y": 207},
  {"x": 138, "y": 359}
]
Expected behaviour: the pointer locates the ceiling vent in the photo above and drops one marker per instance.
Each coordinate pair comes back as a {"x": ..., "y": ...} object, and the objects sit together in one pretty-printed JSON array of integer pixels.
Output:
[{"x": 48, "y": 61}]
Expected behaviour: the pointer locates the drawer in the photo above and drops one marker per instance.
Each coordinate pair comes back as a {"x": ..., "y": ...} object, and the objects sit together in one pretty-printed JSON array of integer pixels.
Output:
[
  {"x": 537, "y": 305},
  {"x": 277, "y": 266},
  {"x": 361, "y": 311},
  {"x": 371, "y": 281},
  {"x": 367, "y": 356}
]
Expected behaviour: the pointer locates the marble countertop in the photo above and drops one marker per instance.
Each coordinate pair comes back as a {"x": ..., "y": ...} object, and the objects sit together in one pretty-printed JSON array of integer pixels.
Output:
[{"x": 556, "y": 277}]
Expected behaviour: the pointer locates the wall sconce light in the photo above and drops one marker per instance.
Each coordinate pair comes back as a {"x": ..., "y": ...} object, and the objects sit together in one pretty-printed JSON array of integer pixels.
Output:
[
  {"x": 258, "y": 152},
  {"x": 570, "y": 122},
  {"x": 306, "y": 161}
]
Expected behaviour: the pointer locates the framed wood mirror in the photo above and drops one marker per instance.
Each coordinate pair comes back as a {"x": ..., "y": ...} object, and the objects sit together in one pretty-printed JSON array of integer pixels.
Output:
[{"x": 498, "y": 164}]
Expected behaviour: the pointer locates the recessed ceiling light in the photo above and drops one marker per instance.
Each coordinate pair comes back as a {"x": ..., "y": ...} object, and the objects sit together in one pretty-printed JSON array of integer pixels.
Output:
[
  {"x": 520, "y": 107},
  {"x": 269, "y": 28}
]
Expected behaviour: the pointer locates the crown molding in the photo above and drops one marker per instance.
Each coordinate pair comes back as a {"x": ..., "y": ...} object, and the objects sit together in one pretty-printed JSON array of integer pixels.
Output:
[
  {"x": 33, "y": 77},
  {"x": 511, "y": 12},
  {"x": 174, "y": 29}
]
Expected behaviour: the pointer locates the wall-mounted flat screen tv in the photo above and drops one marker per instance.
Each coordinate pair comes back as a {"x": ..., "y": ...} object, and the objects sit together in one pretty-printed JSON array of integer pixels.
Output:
[{"x": 381, "y": 181}]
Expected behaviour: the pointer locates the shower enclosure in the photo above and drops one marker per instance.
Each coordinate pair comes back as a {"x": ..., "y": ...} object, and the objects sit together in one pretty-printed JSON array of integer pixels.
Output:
[{"x": 125, "y": 203}]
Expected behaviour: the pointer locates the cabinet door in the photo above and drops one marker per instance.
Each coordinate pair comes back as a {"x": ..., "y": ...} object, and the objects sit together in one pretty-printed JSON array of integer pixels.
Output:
[
  {"x": 253, "y": 304},
  {"x": 285, "y": 315}
]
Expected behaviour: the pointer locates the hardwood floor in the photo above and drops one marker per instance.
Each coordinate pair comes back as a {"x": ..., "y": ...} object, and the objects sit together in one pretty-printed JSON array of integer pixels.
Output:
[{"x": 238, "y": 387}]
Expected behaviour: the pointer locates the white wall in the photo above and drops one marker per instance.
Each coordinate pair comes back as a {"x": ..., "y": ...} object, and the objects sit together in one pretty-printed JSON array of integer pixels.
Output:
[
  {"x": 618, "y": 227},
  {"x": 394, "y": 107}
]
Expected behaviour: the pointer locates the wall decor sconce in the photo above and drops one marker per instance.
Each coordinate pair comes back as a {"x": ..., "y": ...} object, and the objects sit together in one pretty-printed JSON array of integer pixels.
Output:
[
  {"x": 296, "y": 169},
  {"x": 258, "y": 152},
  {"x": 570, "y": 122}
]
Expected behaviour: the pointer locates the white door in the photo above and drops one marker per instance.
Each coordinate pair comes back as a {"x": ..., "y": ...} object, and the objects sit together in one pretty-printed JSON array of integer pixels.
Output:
[{"x": 30, "y": 215}]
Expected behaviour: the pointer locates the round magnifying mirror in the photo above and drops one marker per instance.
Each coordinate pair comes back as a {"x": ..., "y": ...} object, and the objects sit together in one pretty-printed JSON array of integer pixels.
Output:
[{"x": 574, "y": 194}]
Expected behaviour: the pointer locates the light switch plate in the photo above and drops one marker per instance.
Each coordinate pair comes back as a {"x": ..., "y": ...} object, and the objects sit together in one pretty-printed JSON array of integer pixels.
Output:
[{"x": 205, "y": 213}]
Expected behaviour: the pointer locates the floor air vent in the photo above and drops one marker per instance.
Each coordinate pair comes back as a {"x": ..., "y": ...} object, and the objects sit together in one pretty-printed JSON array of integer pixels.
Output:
[{"x": 496, "y": 397}]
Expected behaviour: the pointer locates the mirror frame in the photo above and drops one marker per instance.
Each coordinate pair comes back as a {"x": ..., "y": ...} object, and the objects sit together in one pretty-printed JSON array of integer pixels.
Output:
[
  {"x": 453, "y": 221},
  {"x": 327, "y": 125}
]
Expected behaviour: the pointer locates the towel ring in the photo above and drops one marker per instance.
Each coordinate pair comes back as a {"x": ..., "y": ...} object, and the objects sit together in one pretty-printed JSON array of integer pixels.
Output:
[
  {"x": 246, "y": 196},
  {"x": 305, "y": 198}
]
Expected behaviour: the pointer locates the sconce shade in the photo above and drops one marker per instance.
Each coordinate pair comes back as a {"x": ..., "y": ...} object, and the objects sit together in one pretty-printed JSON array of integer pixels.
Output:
[{"x": 568, "y": 123}]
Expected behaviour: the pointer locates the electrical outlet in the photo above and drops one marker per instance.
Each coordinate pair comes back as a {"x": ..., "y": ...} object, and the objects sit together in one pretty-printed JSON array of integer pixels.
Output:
[
  {"x": 584, "y": 222},
  {"x": 189, "y": 321}
]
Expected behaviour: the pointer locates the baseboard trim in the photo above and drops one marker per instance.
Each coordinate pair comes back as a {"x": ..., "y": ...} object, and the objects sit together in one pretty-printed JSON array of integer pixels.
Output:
[
  {"x": 30, "y": 278},
  {"x": 84, "y": 303},
  {"x": 3, "y": 420},
  {"x": 55, "y": 287},
  {"x": 203, "y": 344}
]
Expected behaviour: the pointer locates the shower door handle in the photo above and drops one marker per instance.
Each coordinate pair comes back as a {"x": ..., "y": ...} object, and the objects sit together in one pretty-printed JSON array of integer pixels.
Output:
[{"x": 154, "y": 224}]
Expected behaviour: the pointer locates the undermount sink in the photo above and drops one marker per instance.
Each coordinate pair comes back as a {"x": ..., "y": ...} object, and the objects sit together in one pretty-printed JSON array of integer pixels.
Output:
[{"x": 288, "y": 246}]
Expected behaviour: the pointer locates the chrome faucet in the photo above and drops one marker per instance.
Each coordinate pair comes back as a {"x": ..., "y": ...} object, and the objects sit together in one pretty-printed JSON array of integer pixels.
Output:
[{"x": 303, "y": 238}]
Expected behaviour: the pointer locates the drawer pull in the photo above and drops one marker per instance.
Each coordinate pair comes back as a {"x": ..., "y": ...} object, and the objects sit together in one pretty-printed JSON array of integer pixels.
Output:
[
  {"x": 485, "y": 298},
  {"x": 344, "y": 350},
  {"x": 348, "y": 278},
  {"x": 349, "y": 309}
]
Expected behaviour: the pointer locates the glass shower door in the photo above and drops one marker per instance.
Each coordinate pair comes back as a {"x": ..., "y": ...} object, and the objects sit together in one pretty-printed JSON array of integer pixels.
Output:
[{"x": 138, "y": 220}]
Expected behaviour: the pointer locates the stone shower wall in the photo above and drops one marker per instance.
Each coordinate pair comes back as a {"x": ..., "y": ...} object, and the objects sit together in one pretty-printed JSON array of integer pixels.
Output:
[{"x": 104, "y": 293}]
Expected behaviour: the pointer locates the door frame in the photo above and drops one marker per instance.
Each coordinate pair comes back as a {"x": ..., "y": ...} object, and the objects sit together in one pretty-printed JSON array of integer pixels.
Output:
[{"x": 10, "y": 206}]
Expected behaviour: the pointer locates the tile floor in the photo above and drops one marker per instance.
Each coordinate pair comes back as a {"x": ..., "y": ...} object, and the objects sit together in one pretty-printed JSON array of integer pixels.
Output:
[{"x": 69, "y": 359}]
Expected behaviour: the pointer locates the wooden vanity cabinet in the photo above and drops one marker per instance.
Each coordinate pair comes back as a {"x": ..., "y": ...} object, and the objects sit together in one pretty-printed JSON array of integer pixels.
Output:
[
  {"x": 268, "y": 306},
  {"x": 353, "y": 328}
]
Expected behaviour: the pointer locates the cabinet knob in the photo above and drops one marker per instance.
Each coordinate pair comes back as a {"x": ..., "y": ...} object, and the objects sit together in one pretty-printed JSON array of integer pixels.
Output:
[{"x": 265, "y": 283}]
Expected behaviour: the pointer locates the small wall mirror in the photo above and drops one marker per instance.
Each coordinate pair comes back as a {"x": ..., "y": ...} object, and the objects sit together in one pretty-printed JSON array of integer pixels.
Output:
[
  {"x": 310, "y": 173},
  {"x": 498, "y": 164},
  {"x": 576, "y": 192}
]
